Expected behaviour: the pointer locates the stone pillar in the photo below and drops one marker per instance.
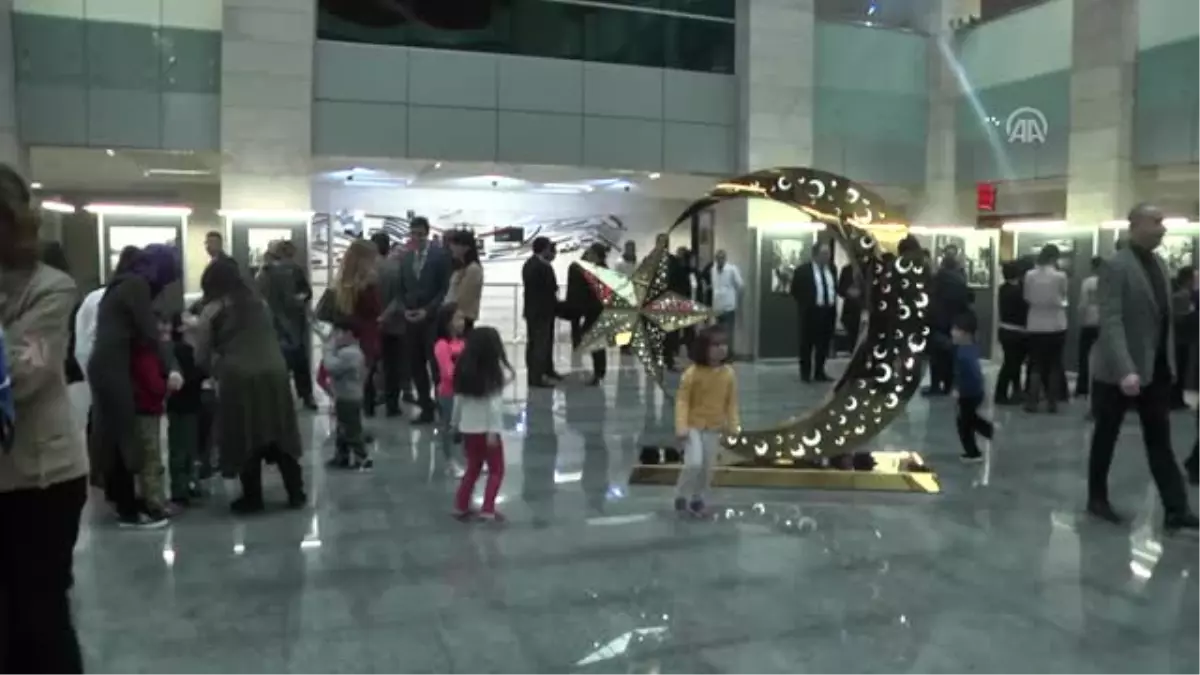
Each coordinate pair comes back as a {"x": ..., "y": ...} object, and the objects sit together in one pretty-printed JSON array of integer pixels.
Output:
[
  {"x": 943, "y": 202},
  {"x": 11, "y": 151},
  {"x": 775, "y": 61},
  {"x": 266, "y": 103},
  {"x": 1100, "y": 154}
]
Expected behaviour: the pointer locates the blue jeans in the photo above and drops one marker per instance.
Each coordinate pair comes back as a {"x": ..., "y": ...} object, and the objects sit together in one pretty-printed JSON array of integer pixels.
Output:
[{"x": 725, "y": 321}]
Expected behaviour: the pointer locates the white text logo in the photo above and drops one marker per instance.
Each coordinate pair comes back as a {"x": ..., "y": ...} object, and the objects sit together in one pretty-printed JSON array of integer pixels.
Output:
[{"x": 1026, "y": 125}]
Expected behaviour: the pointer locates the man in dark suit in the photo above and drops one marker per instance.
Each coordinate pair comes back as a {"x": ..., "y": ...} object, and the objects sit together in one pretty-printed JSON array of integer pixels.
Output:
[
  {"x": 422, "y": 282},
  {"x": 815, "y": 290},
  {"x": 392, "y": 353},
  {"x": 1133, "y": 361},
  {"x": 679, "y": 280},
  {"x": 950, "y": 298},
  {"x": 849, "y": 289},
  {"x": 584, "y": 307},
  {"x": 541, "y": 310}
]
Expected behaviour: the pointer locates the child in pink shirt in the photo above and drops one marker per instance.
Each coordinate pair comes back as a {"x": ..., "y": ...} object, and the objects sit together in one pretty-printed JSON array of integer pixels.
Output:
[{"x": 446, "y": 350}]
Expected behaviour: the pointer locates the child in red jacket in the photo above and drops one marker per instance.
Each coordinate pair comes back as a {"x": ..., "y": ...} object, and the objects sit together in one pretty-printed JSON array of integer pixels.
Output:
[{"x": 150, "y": 397}]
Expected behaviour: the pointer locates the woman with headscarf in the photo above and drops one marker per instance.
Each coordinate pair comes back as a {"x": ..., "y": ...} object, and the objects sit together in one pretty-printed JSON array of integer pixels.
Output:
[
  {"x": 235, "y": 341},
  {"x": 466, "y": 281},
  {"x": 126, "y": 324},
  {"x": 287, "y": 293},
  {"x": 43, "y": 468}
]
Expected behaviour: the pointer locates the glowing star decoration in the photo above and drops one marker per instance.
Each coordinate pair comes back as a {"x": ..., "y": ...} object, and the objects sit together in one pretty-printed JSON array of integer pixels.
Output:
[
  {"x": 884, "y": 369},
  {"x": 638, "y": 311}
]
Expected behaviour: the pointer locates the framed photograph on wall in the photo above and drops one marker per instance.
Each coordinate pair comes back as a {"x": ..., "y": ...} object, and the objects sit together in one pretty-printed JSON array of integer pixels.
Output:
[{"x": 783, "y": 257}]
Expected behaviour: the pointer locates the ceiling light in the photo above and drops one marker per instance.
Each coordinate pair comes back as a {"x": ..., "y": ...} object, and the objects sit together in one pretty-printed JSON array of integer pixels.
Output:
[
  {"x": 58, "y": 207},
  {"x": 176, "y": 172},
  {"x": 265, "y": 214},
  {"x": 351, "y": 181},
  {"x": 137, "y": 210},
  {"x": 110, "y": 152},
  {"x": 655, "y": 175},
  {"x": 35, "y": 185},
  {"x": 437, "y": 165},
  {"x": 568, "y": 187}
]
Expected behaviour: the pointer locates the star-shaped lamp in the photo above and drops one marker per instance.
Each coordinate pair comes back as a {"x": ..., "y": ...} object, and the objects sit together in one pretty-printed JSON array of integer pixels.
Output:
[{"x": 638, "y": 311}]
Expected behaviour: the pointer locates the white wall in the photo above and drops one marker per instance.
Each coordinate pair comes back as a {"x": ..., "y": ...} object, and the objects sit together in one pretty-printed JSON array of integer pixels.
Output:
[
  {"x": 1027, "y": 43},
  {"x": 1162, "y": 22},
  {"x": 643, "y": 217}
]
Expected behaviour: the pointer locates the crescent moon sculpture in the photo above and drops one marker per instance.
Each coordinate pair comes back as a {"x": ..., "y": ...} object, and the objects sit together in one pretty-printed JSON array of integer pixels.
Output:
[{"x": 883, "y": 372}]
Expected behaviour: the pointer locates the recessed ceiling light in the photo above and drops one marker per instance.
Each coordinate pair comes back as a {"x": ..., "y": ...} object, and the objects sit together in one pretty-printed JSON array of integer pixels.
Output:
[
  {"x": 110, "y": 152},
  {"x": 437, "y": 165},
  {"x": 35, "y": 185},
  {"x": 655, "y": 175}
]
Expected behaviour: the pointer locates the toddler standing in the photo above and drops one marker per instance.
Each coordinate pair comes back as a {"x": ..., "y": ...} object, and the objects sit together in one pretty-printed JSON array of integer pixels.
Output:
[
  {"x": 481, "y": 373},
  {"x": 706, "y": 406},
  {"x": 968, "y": 382},
  {"x": 347, "y": 370},
  {"x": 447, "y": 349}
]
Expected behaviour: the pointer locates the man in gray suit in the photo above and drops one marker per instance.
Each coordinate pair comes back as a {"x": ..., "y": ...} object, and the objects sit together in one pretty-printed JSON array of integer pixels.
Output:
[
  {"x": 424, "y": 278},
  {"x": 391, "y": 353},
  {"x": 1133, "y": 368}
]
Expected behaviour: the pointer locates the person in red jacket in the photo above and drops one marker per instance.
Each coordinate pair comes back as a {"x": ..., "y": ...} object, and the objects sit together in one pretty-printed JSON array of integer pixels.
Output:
[{"x": 150, "y": 401}]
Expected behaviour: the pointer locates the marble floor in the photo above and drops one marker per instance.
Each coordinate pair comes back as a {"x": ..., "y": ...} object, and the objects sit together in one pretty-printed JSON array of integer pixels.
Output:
[{"x": 1000, "y": 572}]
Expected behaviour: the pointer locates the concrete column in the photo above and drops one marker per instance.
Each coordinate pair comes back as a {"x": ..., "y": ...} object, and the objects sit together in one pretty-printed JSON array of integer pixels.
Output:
[
  {"x": 266, "y": 103},
  {"x": 10, "y": 146},
  {"x": 943, "y": 203},
  {"x": 775, "y": 60},
  {"x": 1100, "y": 183}
]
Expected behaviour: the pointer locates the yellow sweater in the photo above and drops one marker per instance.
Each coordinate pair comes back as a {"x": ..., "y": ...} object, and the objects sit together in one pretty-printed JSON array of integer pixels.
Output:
[{"x": 706, "y": 400}]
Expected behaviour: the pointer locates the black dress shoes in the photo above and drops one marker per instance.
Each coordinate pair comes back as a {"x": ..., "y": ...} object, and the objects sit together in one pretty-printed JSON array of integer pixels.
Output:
[{"x": 1104, "y": 511}]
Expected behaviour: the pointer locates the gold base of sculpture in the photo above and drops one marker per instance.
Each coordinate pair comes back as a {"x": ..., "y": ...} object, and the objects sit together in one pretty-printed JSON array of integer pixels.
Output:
[{"x": 880, "y": 479}]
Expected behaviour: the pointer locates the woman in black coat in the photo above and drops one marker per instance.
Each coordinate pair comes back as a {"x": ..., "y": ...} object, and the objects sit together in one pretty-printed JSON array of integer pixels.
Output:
[{"x": 125, "y": 320}]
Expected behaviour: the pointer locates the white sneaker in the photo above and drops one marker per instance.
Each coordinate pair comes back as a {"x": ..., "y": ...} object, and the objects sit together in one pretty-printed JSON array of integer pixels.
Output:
[{"x": 144, "y": 521}]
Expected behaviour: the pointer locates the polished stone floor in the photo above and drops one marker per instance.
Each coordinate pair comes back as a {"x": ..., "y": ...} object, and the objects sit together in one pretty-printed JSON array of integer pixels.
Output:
[{"x": 1001, "y": 572}]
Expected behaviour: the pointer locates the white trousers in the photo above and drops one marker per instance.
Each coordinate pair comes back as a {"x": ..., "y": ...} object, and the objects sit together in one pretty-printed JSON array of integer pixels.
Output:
[{"x": 699, "y": 460}]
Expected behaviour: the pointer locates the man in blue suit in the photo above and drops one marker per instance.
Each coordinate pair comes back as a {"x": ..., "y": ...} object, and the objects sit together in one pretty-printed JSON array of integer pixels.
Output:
[{"x": 421, "y": 285}]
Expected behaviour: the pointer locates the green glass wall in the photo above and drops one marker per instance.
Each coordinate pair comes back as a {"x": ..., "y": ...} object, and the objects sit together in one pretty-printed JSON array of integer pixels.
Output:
[{"x": 699, "y": 38}]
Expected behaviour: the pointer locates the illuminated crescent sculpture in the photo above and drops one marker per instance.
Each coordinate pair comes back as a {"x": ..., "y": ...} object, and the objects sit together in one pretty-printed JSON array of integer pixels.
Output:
[{"x": 885, "y": 368}]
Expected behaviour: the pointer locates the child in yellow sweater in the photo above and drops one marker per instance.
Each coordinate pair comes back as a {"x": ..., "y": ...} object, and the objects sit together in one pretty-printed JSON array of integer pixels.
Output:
[{"x": 706, "y": 406}]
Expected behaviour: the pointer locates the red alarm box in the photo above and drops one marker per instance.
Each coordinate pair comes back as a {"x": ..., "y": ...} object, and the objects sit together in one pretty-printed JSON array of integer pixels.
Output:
[{"x": 985, "y": 196}]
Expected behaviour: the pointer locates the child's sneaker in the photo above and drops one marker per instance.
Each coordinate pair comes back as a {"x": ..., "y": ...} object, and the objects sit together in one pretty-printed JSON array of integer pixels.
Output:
[
  {"x": 362, "y": 464},
  {"x": 463, "y": 516},
  {"x": 144, "y": 521},
  {"x": 492, "y": 516},
  {"x": 680, "y": 505},
  {"x": 971, "y": 458},
  {"x": 697, "y": 508}
]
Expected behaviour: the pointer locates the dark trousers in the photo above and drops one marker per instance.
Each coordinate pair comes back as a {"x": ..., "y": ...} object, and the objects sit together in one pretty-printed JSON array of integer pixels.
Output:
[
  {"x": 349, "y": 437},
  {"x": 289, "y": 471},
  {"x": 1008, "y": 380},
  {"x": 418, "y": 343},
  {"x": 539, "y": 349},
  {"x": 392, "y": 365},
  {"x": 851, "y": 321},
  {"x": 38, "y": 529},
  {"x": 941, "y": 362},
  {"x": 1183, "y": 366},
  {"x": 1087, "y": 339},
  {"x": 816, "y": 332},
  {"x": 970, "y": 424},
  {"x": 671, "y": 343},
  {"x": 299, "y": 364},
  {"x": 1110, "y": 405},
  {"x": 1046, "y": 364},
  {"x": 579, "y": 326},
  {"x": 119, "y": 487},
  {"x": 183, "y": 448}
]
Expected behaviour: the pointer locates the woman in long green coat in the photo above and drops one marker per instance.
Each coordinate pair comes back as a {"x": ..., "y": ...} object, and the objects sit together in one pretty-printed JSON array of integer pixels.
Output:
[{"x": 256, "y": 418}]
